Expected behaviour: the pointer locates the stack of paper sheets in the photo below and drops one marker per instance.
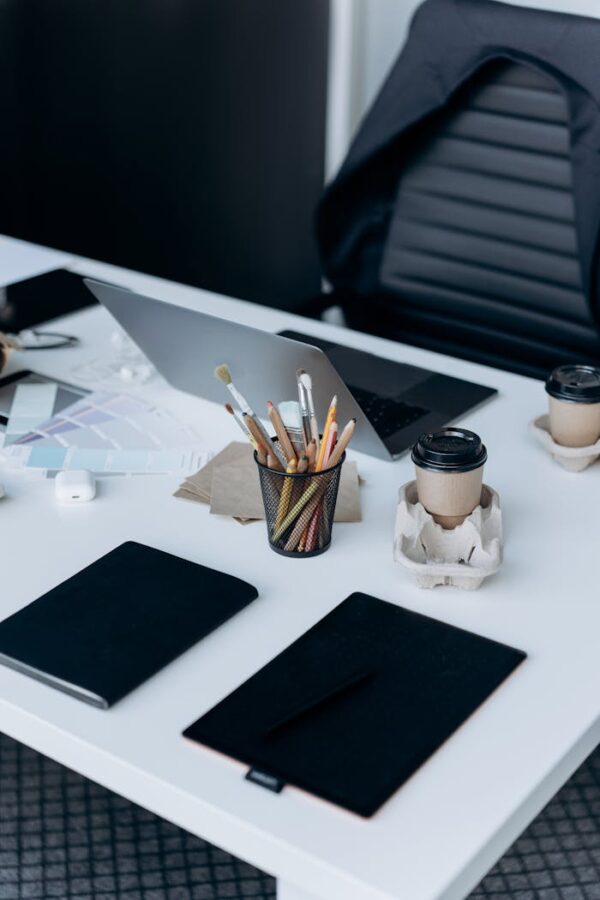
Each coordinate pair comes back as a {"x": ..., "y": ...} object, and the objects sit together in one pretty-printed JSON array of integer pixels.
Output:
[
  {"x": 229, "y": 484},
  {"x": 102, "y": 432}
]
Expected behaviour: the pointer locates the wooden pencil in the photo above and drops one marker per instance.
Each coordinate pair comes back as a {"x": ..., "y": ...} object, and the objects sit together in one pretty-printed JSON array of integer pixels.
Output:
[
  {"x": 252, "y": 427},
  {"x": 303, "y": 464},
  {"x": 331, "y": 414},
  {"x": 280, "y": 431},
  {"x": 286, "y": 493},
  {"x": 312, "y": 455},
  {"x": 344, "y": 440}
]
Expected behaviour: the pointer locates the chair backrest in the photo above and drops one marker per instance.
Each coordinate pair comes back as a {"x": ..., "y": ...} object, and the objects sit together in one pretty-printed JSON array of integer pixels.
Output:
[{"x": 481, "y": 257}]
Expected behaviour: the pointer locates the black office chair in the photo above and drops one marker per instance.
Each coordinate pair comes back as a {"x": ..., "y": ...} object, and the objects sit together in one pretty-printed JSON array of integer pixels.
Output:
[{"x": 478, "y": 252}]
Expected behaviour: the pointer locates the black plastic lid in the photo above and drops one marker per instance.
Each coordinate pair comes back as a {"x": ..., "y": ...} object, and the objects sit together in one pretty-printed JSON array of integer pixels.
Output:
[
  {"x": 449, "y": 450},
  {"x": 580, "y": 384}
]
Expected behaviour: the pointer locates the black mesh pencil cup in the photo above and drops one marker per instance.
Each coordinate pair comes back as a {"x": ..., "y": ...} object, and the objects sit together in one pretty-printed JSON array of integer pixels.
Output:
[{"x": 299, "y": 509}]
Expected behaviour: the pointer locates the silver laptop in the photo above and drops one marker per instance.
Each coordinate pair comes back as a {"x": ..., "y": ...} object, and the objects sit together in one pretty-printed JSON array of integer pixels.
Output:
[{"x": 393, "y": 403}]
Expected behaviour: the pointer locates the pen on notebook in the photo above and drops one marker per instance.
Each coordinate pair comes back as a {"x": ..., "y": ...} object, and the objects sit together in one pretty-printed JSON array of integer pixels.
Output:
[
  {"x": 331, "y": 414},
  {"x": 306, "y": 380},
  {"x": 223, "y": 374},
  {"x": 283, "y": 436}
]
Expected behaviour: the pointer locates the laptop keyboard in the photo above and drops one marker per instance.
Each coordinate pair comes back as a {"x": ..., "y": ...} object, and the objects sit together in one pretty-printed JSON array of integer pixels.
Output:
[{"x": 387, "y": 414}]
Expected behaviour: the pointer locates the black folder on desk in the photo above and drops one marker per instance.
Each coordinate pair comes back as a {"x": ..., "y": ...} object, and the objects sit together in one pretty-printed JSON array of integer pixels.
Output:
[
  {"x": 106, "y": 630},
  {"x": 357, "y": 704}
]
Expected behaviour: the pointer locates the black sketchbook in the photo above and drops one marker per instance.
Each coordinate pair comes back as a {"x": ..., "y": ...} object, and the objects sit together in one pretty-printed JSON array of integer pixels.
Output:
[
  {"x": 357, "y": 704},
  {"x": 106, "y": 630}
]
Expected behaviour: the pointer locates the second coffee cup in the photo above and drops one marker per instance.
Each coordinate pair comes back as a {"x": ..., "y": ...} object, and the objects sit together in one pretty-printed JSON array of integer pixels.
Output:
[
  {"x": 449, "y": 469},
  {"x": 574, "y": 405}
]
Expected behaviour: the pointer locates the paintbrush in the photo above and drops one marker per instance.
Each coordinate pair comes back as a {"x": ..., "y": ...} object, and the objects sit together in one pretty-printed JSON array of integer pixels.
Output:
[
  {"x": 292, "y": 420},
  {"x": 303, "y": 399},
  {"x": 305, "y": 379},
  {"x": 239, "y": 421},
  {"x": 223, "y": 374}
]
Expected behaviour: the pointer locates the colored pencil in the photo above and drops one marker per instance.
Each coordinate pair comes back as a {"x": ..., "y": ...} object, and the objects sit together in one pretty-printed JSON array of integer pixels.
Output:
[
  {"x": 286, "y": 493},
  {"x": 252, "y": 426},
  {"x": 342, "y": 443},
  {"x": 331, "y": 414},
  {"x": 311, "y": 454},
  {"x": 283, "y": 436}
]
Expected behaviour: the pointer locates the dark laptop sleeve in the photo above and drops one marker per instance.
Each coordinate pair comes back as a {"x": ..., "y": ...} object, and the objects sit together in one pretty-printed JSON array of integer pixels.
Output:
[
  {"x": 355, "y": 706},
  {"x": 106, "y": 630}
]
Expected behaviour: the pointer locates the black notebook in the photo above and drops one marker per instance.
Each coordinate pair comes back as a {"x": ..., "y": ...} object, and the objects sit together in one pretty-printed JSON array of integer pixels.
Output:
[
  {"x": 112, "y": 626},
  {"x": 357, "y": 704}
]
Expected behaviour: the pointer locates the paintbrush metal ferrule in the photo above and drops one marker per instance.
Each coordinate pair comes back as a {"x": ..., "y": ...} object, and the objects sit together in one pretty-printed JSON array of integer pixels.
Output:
[
  {"x": 306, "y": 381},
  {"x": 304, "y": 411}
]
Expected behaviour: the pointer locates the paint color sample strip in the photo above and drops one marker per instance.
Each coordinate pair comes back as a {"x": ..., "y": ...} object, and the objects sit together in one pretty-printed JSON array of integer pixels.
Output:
[
  {"x": 32, "y": 404},
  {"x": 122, "y": 462}
]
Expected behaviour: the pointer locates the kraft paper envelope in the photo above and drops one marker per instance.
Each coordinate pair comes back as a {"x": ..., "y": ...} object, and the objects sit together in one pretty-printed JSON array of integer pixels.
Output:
[
  {"x": 197, "y": 487},
  {"x": 236, "y": 453},
  {"x": 236, "y": 492}
]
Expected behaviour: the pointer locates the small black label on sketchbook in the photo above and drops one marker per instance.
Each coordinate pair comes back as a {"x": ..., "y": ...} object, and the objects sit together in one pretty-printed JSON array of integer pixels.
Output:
[{"x": 270, "y": 782}]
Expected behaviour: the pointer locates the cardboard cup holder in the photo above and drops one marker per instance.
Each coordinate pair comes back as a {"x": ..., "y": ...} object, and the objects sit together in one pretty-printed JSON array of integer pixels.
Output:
[
  {"x": 463, "y": 556},
  {"x": 573, "y": 459}
]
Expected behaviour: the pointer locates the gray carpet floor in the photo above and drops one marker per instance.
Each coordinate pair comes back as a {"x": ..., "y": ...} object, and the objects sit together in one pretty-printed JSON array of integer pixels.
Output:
[{"x": 62, "y": 836}]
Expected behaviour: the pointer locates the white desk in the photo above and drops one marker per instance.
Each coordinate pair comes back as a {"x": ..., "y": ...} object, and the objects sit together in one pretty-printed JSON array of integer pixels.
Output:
[{"x": 443, "y": 830}]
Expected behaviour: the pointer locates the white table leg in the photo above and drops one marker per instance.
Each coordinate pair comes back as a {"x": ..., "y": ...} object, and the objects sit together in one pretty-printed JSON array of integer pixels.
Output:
[{"x": 289, "y": 892}]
